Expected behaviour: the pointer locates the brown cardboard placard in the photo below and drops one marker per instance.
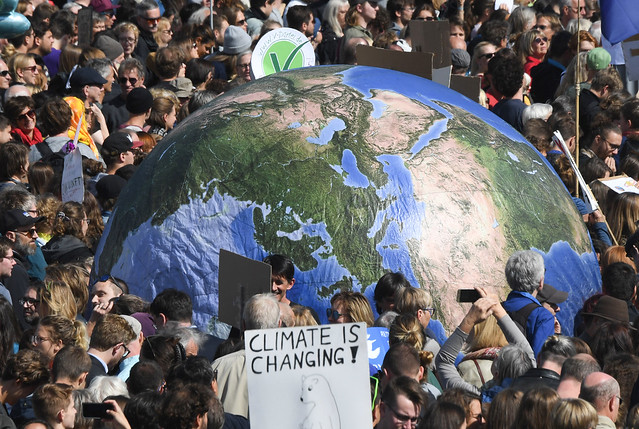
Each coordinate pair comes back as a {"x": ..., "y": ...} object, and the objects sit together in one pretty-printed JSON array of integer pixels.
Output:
[
  {"x": 85, "y": 26},
  {"x": 432, "y": 36},
  {"x": 239, "y": 278},
  {"x": 466, "y": 85},
  {"x": 417, "y": 63}
]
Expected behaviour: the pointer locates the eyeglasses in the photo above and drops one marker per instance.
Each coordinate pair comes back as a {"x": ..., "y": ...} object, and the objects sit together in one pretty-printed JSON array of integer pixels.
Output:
[
  {"x": 32, "y": 69},
  {"x": 126, "y": 351},
  {"x": 244, "y": 66},
  {"x": 430, "y": 310},
  {"x": 540, "y": 27},
  {"x": 9, "y": 258},
  {"x": 30, "y": 301},
  {"x": 152, "y": 21},
  {"x": 403, "y": 417},
  {"x": 427, "y": 18},
  {"x": 620, "y": 399},
  {"x": 333, "y": 314},
  {"x": 131, "y": 80},
  {"x": 540, "y": 39},
  {"x": 5, "y": 73},
  {"x": 127, "y": 40},
  {"x": 108, "y": 277},
  {"x": 410, "y": 8},
  {"x": 612, "y": 146},
  {"x": 33, "y": 212},
  {"x": 37, "y": 339},
  {"x": 30, "y": 114},
  {"x": 28, "y": 233},
  {"x": 488, "y": 56}
]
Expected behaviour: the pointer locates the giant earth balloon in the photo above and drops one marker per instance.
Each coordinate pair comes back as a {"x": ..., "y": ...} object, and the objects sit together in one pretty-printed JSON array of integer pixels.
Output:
[{"x": 351, "y": 171}]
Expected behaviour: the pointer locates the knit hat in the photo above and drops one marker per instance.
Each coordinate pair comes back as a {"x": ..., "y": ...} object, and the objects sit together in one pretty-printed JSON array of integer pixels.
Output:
[
  {"x": 460, "y": 58},
  {"x": 139, "y": 101},
  {"x": 598, "y": 59},
  {"x": 236, "y": 40},
  {"x": 111, "y": 48}
]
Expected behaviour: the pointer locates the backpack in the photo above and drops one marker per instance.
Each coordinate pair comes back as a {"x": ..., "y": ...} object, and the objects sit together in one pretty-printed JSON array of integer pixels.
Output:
[{"x": 520, "y": 317}]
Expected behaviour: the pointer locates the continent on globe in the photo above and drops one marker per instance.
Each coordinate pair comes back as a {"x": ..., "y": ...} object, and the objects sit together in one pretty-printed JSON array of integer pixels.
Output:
[{"x": 352, "y": 172}]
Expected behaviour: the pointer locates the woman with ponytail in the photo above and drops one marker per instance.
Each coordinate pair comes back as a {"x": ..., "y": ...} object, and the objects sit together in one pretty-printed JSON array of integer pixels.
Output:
[{"x": 55, "y": 332}]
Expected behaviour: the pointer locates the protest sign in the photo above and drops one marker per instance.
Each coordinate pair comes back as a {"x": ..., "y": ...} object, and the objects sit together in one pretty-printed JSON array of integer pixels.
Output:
[
  {"x": 469, "y": 86},
  {"x": 239, "y": 279},
  {"x": 377, "y": 339},
  {"x": 72, "y": 187},
  {"x": 621, "y": 184},
  {"x": 318, "y": 373},
  {"x": 417, "y": 63},
  {"x": 279, "y": 50},
  {"x": 85, "y": 26}
]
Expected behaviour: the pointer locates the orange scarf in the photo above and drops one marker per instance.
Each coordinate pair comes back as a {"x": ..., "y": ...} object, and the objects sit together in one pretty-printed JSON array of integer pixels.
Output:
[{"x": 77, "y": 106}]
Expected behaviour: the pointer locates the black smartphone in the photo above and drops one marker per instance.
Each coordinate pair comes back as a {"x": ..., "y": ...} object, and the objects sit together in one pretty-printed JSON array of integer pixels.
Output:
[
  {"x": 96, "y": 410},
  {"x": 467, "y": 295}
]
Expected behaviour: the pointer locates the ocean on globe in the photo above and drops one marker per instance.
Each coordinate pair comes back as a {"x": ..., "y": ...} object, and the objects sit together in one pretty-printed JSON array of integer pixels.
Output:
[{"x": 352, "y": 172}]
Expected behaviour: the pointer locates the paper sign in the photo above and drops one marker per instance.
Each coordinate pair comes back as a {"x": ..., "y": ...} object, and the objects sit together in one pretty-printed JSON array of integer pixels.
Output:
[
  {"x": 377, "y": 347},
  {"x": 239, "y": 279},
  {"x": 319, "y": 373},
  {"x": 72, "y": 188},
  {"x": 587, "y": 195},
  {"x": 417, "y": 63},
  {"x": 630, "y": 49},
  {"x": 621, "y": 184},
  {"x": 508, "y": 4},
  {"x": 279, "y": 50}
]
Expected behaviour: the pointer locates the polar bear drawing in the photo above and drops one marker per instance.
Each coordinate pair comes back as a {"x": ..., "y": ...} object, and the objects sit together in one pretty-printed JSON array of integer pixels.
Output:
[{"x": 322, "y": 409}]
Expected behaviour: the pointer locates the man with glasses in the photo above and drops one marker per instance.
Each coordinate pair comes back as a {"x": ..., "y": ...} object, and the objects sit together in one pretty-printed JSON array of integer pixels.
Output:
[
  {"x": 18, "y": 226},
  {"x": 605, "y": 145},
  {"x": 30, "y": 303},
  {"x": 108, "y": 345},
  {"x": 400, "y": 12},
  {"x": 402, "y": 402},
  {"x": 147, "y": 18},
  {"x": 7, "y": 261},
  {"x": 603, "y": 392},
  {"x": 130, "y": 75},
  {"x": 571, "y": 9}
]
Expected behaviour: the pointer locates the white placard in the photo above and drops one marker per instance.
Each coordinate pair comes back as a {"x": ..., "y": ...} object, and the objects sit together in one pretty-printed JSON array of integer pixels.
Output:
[
  {"x": 72, "y": 180},
  {"x": 630, "y": 49},
  {"x": 319, "y": 372},
  {"x": 280, "y": 50}
]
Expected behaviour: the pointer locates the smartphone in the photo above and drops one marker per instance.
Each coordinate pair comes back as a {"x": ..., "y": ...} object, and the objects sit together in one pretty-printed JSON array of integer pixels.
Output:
[
  {"x": 96, "y": 410},
  {"x": 467, "y": 295}
]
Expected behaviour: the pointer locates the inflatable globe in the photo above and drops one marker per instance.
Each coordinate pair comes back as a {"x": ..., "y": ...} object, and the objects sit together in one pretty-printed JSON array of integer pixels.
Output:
[{"x": 352, "y": 172}]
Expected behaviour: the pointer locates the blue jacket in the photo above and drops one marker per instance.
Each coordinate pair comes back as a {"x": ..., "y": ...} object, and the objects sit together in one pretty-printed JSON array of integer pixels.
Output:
[{"x": 540, "y": 324}]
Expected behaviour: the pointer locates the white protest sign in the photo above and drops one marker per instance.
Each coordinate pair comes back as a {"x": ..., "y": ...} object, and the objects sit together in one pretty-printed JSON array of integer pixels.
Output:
[
  {"x": 72, "y": 181},
  {"x": 280, "y": 50},
  {"x": 320, "y": 373}
]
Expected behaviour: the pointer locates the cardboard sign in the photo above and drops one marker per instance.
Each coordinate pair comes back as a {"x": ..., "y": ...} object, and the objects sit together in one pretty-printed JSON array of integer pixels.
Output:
[
  {"x": 469, "y": 86},
  {"x": 630, "y": 49},
  {"x": 621, "y": 184},
  {"x": 239, "y": 279},
  {"x": 319, "y": 372},
  {"x": 85, "y": 26},
  {"x": 72, "y": 187},
  {"x": 281, "y": 49},
  {"x": 417, "y": 63},
  {"x": 432, "y": 36}
]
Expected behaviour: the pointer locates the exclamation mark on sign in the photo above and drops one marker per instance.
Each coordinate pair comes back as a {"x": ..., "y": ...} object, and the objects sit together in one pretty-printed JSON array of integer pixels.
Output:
[{"x": 354, "y": 353}]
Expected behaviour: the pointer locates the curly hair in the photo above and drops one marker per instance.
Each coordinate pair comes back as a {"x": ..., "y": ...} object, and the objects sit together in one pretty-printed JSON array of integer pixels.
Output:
[
  {"x": 182, "y": 407},
  {"x": 68, "y": 220}
]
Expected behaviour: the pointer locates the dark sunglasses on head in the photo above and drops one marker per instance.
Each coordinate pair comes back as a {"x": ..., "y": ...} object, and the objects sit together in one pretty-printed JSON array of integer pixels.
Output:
[
  {"x": 30, "y": 114},
  {"x": 131, "y": 80}
]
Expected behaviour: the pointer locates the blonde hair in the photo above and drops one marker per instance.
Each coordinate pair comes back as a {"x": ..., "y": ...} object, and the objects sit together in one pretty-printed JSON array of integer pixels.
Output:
[
  {"x": 407, "y": 329},
  {"x": 58, "y": 298},
  {"x": 574, "y": 413},
  {"x": 486, "y": 334},
  {"x": 303, "y": 316},
  {"x": 18, "y": 61},
  {"x": 356, "y": 306},
  {"x": 76, "y": 277},
  {"x": 623, "y": 213},
  {"x": 410, "y": 300},
  {"x": 68, "y": 331}
]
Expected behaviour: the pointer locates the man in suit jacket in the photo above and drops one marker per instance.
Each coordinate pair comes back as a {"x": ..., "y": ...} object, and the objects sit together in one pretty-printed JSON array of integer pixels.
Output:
[{"x": 108, "y": 344}]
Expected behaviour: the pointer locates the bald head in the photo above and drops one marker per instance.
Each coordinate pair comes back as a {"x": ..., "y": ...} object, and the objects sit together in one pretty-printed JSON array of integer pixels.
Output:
[
  {"x": 16, "y": 91},
  {"x": 601, "y": 390}
]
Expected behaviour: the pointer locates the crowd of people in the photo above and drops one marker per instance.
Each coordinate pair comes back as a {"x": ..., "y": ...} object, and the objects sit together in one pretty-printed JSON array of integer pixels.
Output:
[{"x": 71, "y": 342}]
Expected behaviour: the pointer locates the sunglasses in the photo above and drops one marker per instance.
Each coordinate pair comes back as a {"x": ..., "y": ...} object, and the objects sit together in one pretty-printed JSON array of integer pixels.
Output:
[
  {"x": 540, "y": 27},
  {"x": 152, "y": 21},
  {"x": 131, "y": 80},
  {"x": 5, "y": 73},
  {"x": 28, "y": 233},
  {"x": 334, "y": 314},
  {"x": 29, "y": 114},
  {"x": 32, "y": 69},
  {"x": 427, "y": 18},
  {"x": 488, "y": 55},
  {"x": 539, "y": 40}
]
